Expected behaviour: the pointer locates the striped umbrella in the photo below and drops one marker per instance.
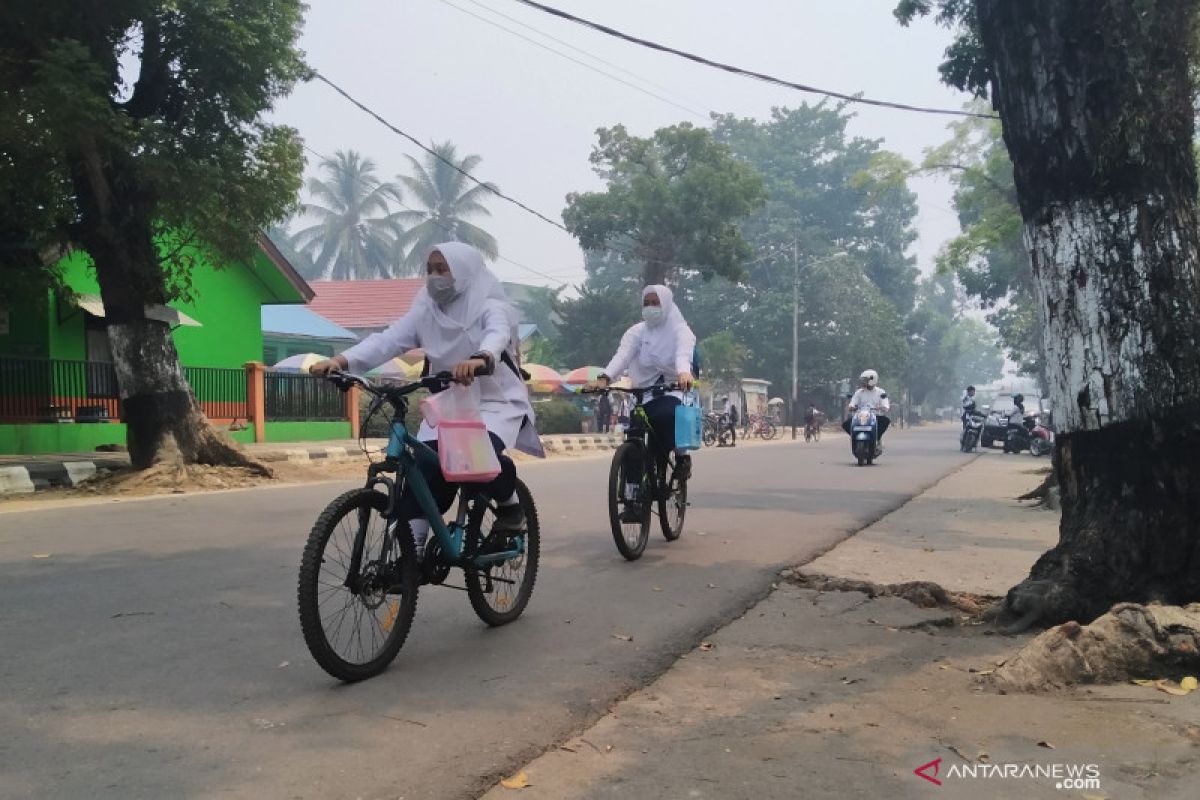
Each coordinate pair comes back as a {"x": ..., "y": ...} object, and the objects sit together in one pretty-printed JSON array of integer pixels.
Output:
[
  {"x": 543, "y": 380},
  {"x": 578, "y": 377}
]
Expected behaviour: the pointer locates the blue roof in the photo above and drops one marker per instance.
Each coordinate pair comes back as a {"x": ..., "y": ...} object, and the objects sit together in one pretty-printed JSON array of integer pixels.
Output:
[
  {"x": 301, "y": 321},
  {"x": 526, "y": 329}
]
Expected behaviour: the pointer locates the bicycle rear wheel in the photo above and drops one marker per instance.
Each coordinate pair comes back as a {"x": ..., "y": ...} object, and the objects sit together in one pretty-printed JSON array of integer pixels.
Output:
[
  {"x": 768, "y": 431},
  {"x": 710, "y": 434},
  {"x": 630, "y": 534},
  {"x": 354, "y": 625},
  {"x": 500, "y": 592}
]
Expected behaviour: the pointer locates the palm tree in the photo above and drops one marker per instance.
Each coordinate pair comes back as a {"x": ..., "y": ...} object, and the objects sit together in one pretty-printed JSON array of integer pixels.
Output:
[
  {"x": 446, "y": 198},
  {"x": 355, "y": 236}
]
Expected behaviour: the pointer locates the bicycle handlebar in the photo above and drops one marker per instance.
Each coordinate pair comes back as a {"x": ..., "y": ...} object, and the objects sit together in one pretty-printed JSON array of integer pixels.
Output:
[
  {"x": 658, "y": 387},
  {"x": 344, "y": 380}
]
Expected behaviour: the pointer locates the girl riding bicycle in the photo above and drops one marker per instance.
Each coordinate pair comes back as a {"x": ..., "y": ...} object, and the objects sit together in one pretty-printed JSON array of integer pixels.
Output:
[
  {"x": 466, "y": 326},
  {"x": 657, "y": 350}
]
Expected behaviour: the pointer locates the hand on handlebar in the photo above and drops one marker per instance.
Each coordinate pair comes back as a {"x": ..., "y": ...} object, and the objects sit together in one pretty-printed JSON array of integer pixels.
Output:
[
  {"x": 686, "y": 379},
  {"x": 322, "y": 368},
  {"x": 465, "y": 371},
  {"x": 600, "y": 384}
]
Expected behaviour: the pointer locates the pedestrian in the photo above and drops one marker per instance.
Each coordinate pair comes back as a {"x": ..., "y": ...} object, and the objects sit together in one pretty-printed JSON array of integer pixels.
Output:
[{"x": 603, "y": 414}]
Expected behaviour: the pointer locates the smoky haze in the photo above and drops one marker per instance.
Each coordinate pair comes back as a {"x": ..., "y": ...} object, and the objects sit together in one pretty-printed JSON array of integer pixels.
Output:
[{"x": 441, "y": 74}]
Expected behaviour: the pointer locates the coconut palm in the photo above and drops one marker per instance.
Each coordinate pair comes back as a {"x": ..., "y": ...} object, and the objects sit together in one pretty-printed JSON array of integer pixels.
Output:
[
  {"x": 355, "y": 236},
  {"x": 445, "y": 198}
]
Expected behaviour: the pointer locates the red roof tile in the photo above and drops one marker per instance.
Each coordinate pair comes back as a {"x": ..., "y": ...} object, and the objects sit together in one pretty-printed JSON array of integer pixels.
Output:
[{"x": 364, "y": 304}]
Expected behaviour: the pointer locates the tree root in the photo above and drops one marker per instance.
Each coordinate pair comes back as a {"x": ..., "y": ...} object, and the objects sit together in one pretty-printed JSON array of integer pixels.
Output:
[
  {"x": 923, "y": 594},
  {"x": 1129, "y": 641}
]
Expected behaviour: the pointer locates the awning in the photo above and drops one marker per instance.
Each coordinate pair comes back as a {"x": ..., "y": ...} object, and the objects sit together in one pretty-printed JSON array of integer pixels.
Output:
[{"x": 92, "y": 304}]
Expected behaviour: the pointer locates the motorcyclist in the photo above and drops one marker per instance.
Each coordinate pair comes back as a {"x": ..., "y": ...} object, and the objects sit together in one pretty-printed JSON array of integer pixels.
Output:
[
  {"x": 1016, "y": 425},
  {"x": 870, "y": 395},
  {"x": 968, "y": 404}
]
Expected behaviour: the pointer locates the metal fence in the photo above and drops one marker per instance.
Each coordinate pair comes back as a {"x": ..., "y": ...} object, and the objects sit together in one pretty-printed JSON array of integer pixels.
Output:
[
  {"x": 58, "y": 390},
  {"x": 294, "y": 397},
  {"x": 220, "y": 391}
]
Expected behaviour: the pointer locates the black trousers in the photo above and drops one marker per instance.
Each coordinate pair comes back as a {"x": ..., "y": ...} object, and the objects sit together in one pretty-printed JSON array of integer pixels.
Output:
[
  {"x": 883, "y": 421},
  {"x": 500, "y": 489},
  {"x": 661, "y": 413}
]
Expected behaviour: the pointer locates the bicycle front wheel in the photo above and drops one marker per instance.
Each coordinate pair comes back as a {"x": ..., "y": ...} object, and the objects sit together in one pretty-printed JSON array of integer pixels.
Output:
[
  {"x": 500, "y": 592},
  {"x": 672, "y": 509},
  {"x": 629, "y": 517},
  {"x": 710, "y": 434},
  {"x": 355, "y": 624},
  {"x": 768, "y": 431}
]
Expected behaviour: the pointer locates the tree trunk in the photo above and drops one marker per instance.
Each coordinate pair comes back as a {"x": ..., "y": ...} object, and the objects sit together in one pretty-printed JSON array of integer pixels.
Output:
[
  {"x": 1096, "y": 99},
  {"x": 160, "y": 410}
]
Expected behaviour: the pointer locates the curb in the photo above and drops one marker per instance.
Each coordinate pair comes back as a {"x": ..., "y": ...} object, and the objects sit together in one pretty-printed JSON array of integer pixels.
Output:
[{"x": 577, "y": 443}]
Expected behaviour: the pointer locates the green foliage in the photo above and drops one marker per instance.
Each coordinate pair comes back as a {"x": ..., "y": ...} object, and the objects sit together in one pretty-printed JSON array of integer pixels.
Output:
[
  {"x": 947, "y": 351},
  {"x": 989, "y": 256},
  {"x": 354, "y": 236},
  {"x": 445, "y": 201},
  {"x": 676, "y": 198},
  {"x": 965, "y": 66},
  {"x": 826, "y": 186},
  {"x": 183, "y": 148},
  {"x": 723, "y": 357},
  {"x": 593, "y": 323},
  {"x": 558, "y": 416}
]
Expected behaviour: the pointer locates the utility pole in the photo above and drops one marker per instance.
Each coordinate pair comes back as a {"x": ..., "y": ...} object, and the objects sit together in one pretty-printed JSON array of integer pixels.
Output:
[{"x": 795, "y": 326}]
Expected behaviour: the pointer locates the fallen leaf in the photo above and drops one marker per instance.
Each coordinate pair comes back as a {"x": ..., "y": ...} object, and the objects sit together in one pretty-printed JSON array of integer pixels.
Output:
[
  {"x": 1189, "y": 683},
  {"x": 284, "y": 664},
  {"x": 706, "y": 646},
  {"x": 518, "y": 781},
  {"x": 712, "y": 586},
  {"x": 623, "y": 637},
  {"x": 942, "y": 666},
  {"x": 1046, "y": 745},
  {"x": 608, "y": 748},
  {"x": 41, "y": 555},
  {"x": 658, "y": 588}
]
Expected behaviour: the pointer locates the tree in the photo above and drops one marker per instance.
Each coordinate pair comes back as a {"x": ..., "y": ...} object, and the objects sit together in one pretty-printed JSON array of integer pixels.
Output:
[
  {"x": 447, "y": 199},
  {"x": 825, "y": 186},
  {"x": 355, "y": 236},
  {"x": 1097, "y": 102},
  {"x": 676, "y": 198},
  {"x": 723, "y": 356},
  {"x": 147, "y": 174},
  {"x": 592, "y": 325},
  {"x": 989, "y": 256}
]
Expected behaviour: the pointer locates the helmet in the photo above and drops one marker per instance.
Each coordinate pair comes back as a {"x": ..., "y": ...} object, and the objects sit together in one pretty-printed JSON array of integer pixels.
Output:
[
  {"x": 1018, "y": 398},
  {"x": 869, "y": 378}
]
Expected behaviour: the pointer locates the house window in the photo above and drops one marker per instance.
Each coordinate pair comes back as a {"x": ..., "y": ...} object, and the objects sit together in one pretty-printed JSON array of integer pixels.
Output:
[{"x": 101, "y": 376}]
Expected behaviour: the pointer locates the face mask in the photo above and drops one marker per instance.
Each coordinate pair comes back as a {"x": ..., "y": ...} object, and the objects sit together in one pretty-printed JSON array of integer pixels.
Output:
[
  {"x": 441, "y": 288},
  {"x": 653, "y": 315}
]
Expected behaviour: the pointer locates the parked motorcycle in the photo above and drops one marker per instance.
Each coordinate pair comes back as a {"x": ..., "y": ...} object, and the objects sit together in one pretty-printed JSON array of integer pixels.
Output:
[
  {"x": 864, "y": 436},
  {"x": 1041, "y": 439},
  {"x": 1019, "y": 437},
  {"x": 972, "y": 431}
]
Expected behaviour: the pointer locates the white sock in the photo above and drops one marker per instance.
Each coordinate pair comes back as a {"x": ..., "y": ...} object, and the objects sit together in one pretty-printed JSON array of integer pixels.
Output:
[
  {"x": 512, "y": 501},
  {"x": 420, "y": 532}
]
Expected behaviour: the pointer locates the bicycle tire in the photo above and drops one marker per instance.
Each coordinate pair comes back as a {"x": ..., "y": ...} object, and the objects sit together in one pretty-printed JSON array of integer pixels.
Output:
[
  {"x": 311, "y": 589},
  {"x": 676, "y": 499},
  {"x": 477, "y": 582},
  {"x": 709, "y": 437},
  {"x": 631, "y": 547},
  {"x": 769, "y": 431}
]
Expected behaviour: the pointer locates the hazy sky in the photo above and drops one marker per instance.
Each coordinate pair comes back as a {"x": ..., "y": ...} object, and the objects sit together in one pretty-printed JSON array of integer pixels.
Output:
[{"x": 438, "y": 73}]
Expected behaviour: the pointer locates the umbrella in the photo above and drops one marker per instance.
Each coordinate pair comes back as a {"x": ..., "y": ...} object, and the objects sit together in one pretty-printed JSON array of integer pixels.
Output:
[
  {"x": 776, "y": 401},
  {"x": 543, "y": 380},
  {"x": 398, "y": 368},
  {"x": 299, "y": 362},
  {"x": 578, "y": 377}
]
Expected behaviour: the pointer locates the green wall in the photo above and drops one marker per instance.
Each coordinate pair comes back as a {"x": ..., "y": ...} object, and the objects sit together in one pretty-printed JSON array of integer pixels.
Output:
[
  {"x": 42, "y": 438},
  {"x": 27, "y": 336}
]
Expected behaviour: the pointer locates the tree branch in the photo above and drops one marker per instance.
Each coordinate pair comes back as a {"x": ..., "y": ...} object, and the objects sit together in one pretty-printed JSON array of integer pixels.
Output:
[
  {"x": 1007, "y": 193},
  {"x": 151, "y": 84}
]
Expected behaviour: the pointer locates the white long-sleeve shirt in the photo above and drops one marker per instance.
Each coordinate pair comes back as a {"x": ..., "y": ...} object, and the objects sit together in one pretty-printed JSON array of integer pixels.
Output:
[
  {"x": 504, "y": 399},
  {"x": 636, "y": 356},
  {"x": 876, "y": 398}
]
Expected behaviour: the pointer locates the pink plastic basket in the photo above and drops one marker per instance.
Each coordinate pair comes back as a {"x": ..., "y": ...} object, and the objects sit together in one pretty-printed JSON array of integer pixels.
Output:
[{"x": 465, "y": 452}]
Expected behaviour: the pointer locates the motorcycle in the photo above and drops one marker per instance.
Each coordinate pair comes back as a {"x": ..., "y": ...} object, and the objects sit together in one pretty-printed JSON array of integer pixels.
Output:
[
  {"x": 971, "y": 431},
  {"x": 1019, "y": 437},
  {"x": 1041, "y": 441},
  {"x": 864, "y": 436}
]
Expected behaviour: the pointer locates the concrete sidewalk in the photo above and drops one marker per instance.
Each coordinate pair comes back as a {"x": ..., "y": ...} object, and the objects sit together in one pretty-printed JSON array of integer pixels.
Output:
[{"x": 837, "y": 695}]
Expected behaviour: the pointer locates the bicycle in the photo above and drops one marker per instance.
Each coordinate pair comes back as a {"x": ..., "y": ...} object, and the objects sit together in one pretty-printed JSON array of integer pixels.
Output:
[
  {"x": 370, "y": 566},
  {"x": 812, "y": 432},
  {"x": 671, "y": 498},
  {"x": 760, "y": 426},
  {"x": 711, "y": 431}
]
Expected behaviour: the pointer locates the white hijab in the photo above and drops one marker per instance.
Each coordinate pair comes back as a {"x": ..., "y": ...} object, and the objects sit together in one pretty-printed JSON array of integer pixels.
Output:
[
  {"x": 450, "y": 330},
  {"x": 661, "y": 340}
]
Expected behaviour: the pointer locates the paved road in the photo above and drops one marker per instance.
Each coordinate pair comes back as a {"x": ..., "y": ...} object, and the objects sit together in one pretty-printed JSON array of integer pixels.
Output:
[{"x": 145, "y": 656}]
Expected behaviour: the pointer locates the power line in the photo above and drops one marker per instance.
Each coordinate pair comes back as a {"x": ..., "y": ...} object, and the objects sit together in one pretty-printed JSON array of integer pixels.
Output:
[
  {"x": 706, "y": 116},
  {"x": 745, "y": 72},
  {"x": 451, "y": 232},
  {"x": 625, "y": 253},
  {"x": 634, "y": 86}
]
